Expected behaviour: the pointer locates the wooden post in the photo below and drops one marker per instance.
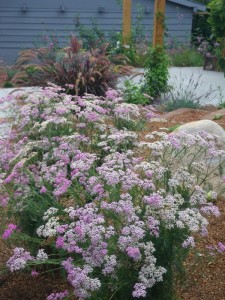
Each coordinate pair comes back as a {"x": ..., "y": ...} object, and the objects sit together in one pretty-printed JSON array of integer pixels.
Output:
[
  {"x": 159, "y": 19},
  {"x": 126, "y": 20}
]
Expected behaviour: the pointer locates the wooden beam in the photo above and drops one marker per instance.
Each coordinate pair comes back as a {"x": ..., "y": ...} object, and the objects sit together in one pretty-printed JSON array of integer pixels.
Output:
[
  {"x": 159, "y": 22},
  {"x": 126, "y": 20}
]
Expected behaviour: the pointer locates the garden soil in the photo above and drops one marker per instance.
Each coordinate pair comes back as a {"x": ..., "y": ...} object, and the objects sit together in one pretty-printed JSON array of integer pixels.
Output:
[{"x": 205, "y": 274}]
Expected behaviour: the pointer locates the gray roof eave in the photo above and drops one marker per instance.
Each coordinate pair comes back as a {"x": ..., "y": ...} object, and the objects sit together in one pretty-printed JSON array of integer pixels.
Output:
[{"x": 194, "y": 5}]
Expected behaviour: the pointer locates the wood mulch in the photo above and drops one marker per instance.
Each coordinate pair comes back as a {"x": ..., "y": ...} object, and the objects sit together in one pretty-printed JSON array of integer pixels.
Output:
[
  {"x": 205, "y": 273},
  {"x": 205, "y": 276}
]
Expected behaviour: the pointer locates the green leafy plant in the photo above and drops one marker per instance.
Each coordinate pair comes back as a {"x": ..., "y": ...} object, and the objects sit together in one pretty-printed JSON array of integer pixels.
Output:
[
  {"x": 138, "y": 29},
  {"x": 133, "y": 93},
  {"x": 78, "y": 71},
  {"x": 118, "y": 48},
  {"x": 134, "y": 125},
  {"x": 47, "y": 40},
  {"x": 172, "y": 128},
  {"x": 222, "y": 102},
  {"x": 200, "y": 28},
  {"x": 220, "y": 54},
  {"x": 156, "y": 72},
  {"x": 217, "y": 17},
  {"x": 217, "y": 21},
  {"x": 120, "y": 3},
  {"x": 217, "y": 117},
  {"x": 180, "y": 103},
  {"x": 184, "y": 56},
  {"x": 91, "y": 36},
  {"x": 135, "y": 49}
]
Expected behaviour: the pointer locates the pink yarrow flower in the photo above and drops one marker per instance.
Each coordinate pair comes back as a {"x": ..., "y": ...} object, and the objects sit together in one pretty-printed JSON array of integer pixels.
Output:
[
  {"x": 134, "y": 253},
  {"x": 43, "y": 190},
  {"x": 34, "y": 273},
  {"x": 189, "y": 242},
  {"x": 8, "y": 232},
  {"x": 58, "y": 296},
  {"x": 221, "y": 247}
]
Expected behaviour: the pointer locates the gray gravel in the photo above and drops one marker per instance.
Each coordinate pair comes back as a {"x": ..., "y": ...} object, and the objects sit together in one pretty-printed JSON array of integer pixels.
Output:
[{"x": 209, "y": 90}]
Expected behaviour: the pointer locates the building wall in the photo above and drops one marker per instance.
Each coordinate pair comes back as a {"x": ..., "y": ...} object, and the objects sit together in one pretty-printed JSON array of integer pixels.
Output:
[{"x": 22, "y": 26}]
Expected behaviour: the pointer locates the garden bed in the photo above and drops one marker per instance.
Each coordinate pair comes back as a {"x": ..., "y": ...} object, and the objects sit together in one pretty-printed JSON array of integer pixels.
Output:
[{"x": 205, "y": 276}]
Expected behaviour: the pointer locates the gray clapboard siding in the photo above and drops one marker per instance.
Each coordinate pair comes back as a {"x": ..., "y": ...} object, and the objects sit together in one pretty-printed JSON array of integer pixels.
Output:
[
  {"x": 55, "y": 4},
  {"x": 22, "y": 29}
]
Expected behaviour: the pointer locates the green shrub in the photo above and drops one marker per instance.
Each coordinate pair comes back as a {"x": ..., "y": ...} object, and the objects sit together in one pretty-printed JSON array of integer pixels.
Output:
[
  {"x": 186, "y": 57},
  {"x": 8, "y": 85},
  {"x": 217, "y": 21},
  {"x": 200, "y": 28},
  {"x": 129, "y": 51},
  {"x": 156, "y": 72},
  {"x": 180, "y": 103},
  {"x": 136, "y": 46},
  {"x": 133, "y": 93},
  {"x": 217, "y": 17},
  {"x": 91, "y": 36}
]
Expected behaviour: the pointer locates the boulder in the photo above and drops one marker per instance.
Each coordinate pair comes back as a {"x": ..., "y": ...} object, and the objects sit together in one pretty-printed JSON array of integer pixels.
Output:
[
  {"x": 205, "y": 125},
  {"x": 216, "y": 130}
]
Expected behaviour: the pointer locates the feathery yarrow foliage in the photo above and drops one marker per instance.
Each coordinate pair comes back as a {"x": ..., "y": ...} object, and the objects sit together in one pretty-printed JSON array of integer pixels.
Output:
[{"x": 116, "y": 212}]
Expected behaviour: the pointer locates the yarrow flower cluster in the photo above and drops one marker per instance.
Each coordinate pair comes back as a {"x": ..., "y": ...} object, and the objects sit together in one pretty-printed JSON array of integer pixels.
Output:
[
  {"x": 41, "y": 255},
  {"x": 34, "y": 273},
  {"x": 58, "y": 296},
  {"x": 19, "y": 259},
  {"x": 89, "y": 226},
  {"x": 9, "y": 231},
  {"x": 219, "y": 248},
  {"x": 189, "y": 242}
]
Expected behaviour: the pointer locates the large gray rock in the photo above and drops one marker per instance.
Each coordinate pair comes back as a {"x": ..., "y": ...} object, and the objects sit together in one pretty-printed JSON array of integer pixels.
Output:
[
  {"x": 216, "y": 130},
  {"x": 205, "y": 125}
]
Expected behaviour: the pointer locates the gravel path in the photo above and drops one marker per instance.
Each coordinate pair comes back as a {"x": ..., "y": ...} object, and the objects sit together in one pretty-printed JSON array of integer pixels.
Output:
[{"x": 209, "y": 86}]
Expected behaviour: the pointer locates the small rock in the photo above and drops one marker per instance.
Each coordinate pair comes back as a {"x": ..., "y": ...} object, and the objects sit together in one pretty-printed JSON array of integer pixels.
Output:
[
  {"x": 209, "y": 107},
  {"x": 159, "y": 120},
  {"x": 212, "y": 115}
]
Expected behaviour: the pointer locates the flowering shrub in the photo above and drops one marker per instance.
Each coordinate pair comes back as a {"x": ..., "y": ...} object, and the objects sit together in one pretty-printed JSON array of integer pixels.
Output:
[
  {"x": 185, "y": 56},
  {"x": 207, "y": 47},
  {"x": 116, "y": 212}
]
